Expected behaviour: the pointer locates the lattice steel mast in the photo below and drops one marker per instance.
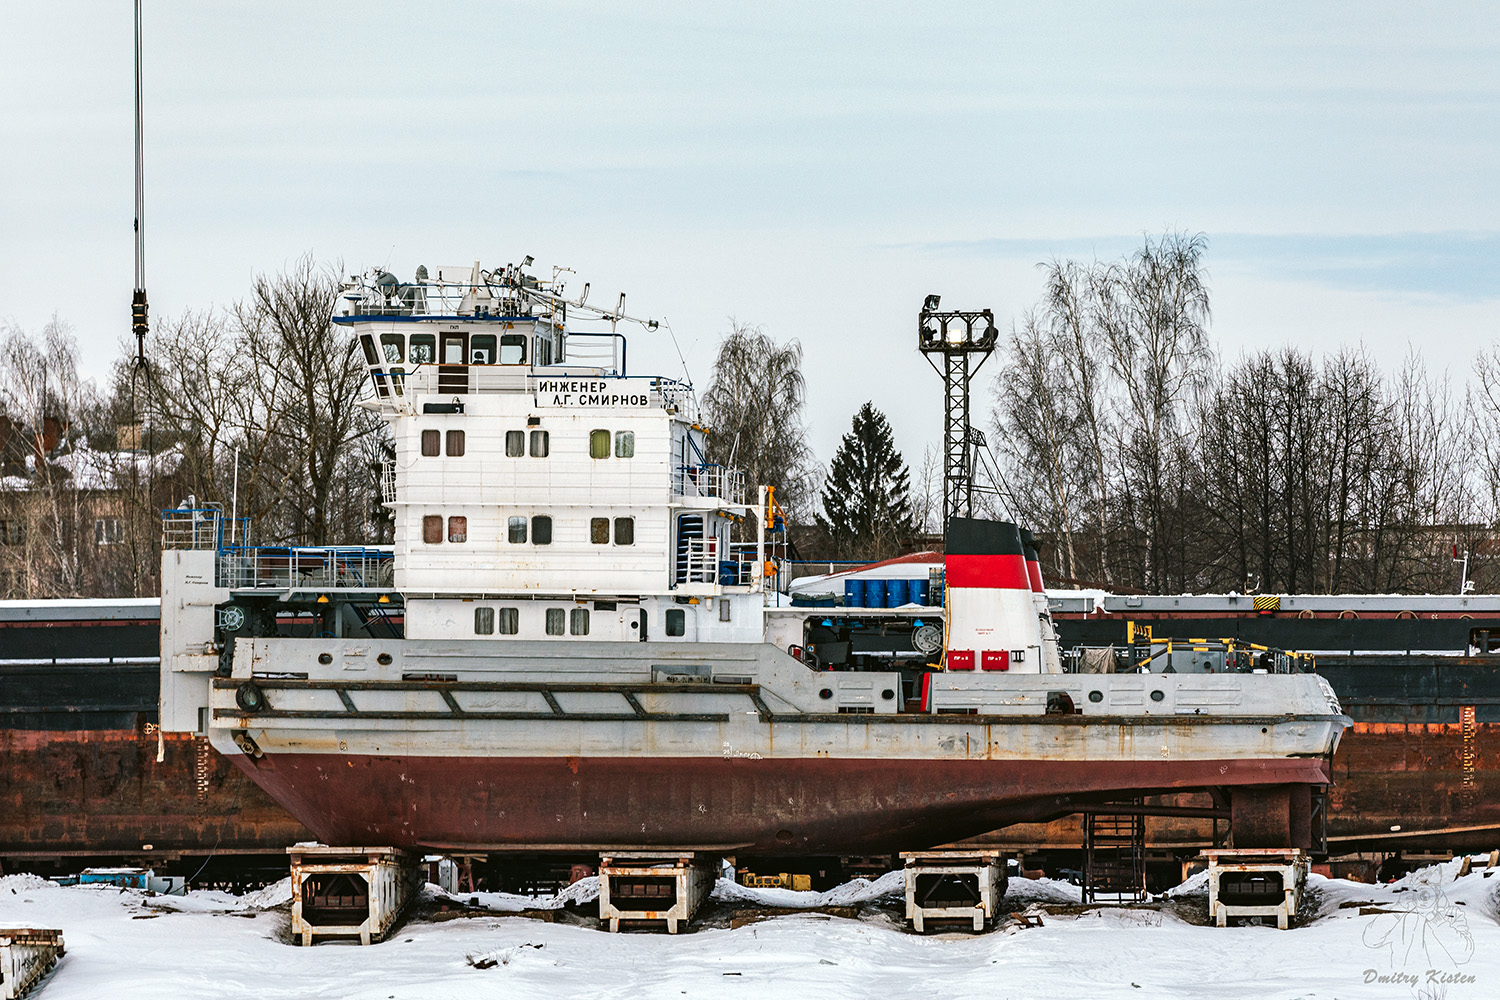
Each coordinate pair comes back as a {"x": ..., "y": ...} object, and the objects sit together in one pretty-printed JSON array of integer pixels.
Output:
[{"x": 956, "y": 336}]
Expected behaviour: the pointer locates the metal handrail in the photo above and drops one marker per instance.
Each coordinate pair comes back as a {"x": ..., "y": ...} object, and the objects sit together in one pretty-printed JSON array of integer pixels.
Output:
[
  {"x": 284, "y": 567},
  {"x": 709, "y": 481}
]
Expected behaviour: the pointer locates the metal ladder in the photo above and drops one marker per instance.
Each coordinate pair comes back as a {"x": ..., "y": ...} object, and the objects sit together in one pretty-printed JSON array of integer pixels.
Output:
[{"x": 1114, "y": 856}]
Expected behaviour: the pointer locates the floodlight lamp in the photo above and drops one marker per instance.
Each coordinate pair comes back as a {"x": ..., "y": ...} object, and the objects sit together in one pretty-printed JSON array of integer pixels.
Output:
[{"x": 930, "y": 303}]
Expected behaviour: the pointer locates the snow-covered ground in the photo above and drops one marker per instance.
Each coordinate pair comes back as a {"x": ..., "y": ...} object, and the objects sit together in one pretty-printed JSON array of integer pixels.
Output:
[{"x": 1397, "y": 940}]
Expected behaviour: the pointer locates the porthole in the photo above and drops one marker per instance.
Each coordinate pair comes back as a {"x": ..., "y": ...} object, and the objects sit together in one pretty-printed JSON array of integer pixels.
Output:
[
  {"x": 384, "y": 659},
  {"x": 888, "y": 694},
  {"x": 1096, "y": 696},
  {"x": 1157, "y": 695},
  {"x": 325, "y": 658},
  {"x": 249, "y": 697},
  {"x": 826, "y": 693}
]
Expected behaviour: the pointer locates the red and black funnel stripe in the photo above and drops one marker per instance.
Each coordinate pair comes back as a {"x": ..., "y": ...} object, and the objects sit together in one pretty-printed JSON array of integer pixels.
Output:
[{"x": 982, "y": 553}]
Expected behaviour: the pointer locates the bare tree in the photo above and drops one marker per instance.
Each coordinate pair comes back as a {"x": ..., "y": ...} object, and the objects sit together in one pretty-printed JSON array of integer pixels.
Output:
[{"x": 753, "y": 407}]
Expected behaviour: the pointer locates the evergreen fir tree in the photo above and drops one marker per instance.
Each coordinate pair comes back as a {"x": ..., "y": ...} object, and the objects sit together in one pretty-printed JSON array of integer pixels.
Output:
[{"x": 867, "y": 495}]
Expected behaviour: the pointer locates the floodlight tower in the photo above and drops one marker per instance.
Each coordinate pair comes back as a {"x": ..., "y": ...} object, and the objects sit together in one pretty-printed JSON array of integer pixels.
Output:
[{"x": 958, "y": 337}]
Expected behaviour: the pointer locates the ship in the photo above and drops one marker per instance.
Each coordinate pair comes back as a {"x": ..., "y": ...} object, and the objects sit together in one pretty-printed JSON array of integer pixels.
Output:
[{"x": 593, "y": 654}]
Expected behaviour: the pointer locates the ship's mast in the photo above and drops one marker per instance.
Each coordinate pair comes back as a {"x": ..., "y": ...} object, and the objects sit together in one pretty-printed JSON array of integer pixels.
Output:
[
  {"x": 138, "y": 323},
  {"x": 957, "y": 336}
]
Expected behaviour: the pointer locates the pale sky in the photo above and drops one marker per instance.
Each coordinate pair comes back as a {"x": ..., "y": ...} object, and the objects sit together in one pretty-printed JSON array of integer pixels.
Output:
[{"x": 814, "y": 168}]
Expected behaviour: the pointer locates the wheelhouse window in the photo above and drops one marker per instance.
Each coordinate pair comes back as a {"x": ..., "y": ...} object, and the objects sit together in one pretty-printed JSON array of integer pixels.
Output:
[
  {"x": 624, "y": 444},
  {"x": 510, "y": 621},
  {"x": 541, "y": 530},
  {"x": 541, "y": 444},
  {"x": 432, "y": 529},
  {"x": 458, "y": 529},
  {"x": 423, "y": 348},
  {"x": 394, "y": 346},
  {"x": 430, "y": 442},
  {"x": 598, "y": 444},
  {"x": 515, "y": 444},
  {"x": 456, "y": 443},
  {"x": 368, "y": 343},
  {"x": 517, "y": 530},
  {"x": 578, "y": 621},
  {"x": 482, "y": 349},
  {"x": 557, "y": 621},
  {"x": 397, "y": 380},
  {"x": 484, "y": 621},
  {"x": 513, "y": 348},
  {"x": 599, "y": 530},
  {"x": 624, "y": 531},
  {"x": 676, "y": 622}
]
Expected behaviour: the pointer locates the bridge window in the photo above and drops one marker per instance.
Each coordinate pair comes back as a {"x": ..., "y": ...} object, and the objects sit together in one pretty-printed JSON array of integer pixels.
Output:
[
  {"x": 515, "y": 444},
  {"x": 512, "y": 348},
  {"x": 624, "y": 444},
  {"x": 599, "y": 530},
  {"x": 458, "y": 529},
  {"x": 394, "y": 346},
  {"x": 676, "y": 621},
  {"x": 541, "y": 530},
  {"x": 432, "y": 529},
  {"x": 510, "y": 621},
  {"x": 429, "y": 444},
  {"x": 456, "y": 443},
  {"x": 396, "y": 379},
  {"x": 423, "y": 348},
  {"x": 541, "y": 444},
  {"x": 484, "y": 621},
  {"x": 598, "y": 444},
  {"x": 517, "y": 529},
  {"x": 368, "y": 343},
  {"x": 578, "y": 621},
  {"x": 557, "y": 621},
  {"x": 482, "y": 349}
]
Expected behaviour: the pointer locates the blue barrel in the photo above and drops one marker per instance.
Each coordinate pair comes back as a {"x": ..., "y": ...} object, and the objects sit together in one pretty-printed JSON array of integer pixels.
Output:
[
  {"x": 919, "y": 592},
  {"x": 898, "y": 593},
  {"x": 854, "y": 593}
]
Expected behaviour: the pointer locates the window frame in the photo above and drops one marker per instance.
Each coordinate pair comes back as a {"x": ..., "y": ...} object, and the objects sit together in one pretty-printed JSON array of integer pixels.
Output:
[
  {"x": 432, "y": 442},
  {"x": 541, "y": 525},
  {"x": 511, "y": 524},
  {"x": 575, "y": 616},
  {"x": 508, "y": 621},
  {"x": 454, "y": 438},
  {"x": 681, "y": 619},
  {"x": 484, "y": 621},
  {"x": 432, "y": 529},
  {"x": 458, "y": 529},
  {"x": 558, "y": 616},
  {"x": 595, "y": 526},
  {"x": 519, "y": 437},
  {"x": 545, "y": 437},
  {"x": 599, "y": 444},
  {"x": 628, "y": 523},
  {"x": 624, "y": 444}
]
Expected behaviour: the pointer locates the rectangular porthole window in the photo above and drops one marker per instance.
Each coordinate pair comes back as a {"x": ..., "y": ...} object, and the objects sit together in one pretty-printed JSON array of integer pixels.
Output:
[
  {"x": 599, "y": 530},
  {"x": 432, "y": 529},
  {"x": 540, "y": 444},
  {"x": 557, "y": 621},
  {"x": 515, "y": 444},
  {"x": 624, "y": 444},
  {"x": 430, "y": 442},
  {"x": 624, "y": 531},
  {"x": 484, "y": 621},
  {"x": 578, "y": 621},
  {"x": 458, "y": 529},
  {"x": 456, "y": 443},
  {"x": 723, "y": 609},
  {"x": 541, "y": 530},
  {"x": 517, "y": 530},
  {"x": 598, "y": 444},
  {"x": 510, "y": 621},
  {"x": 676, "y": 621}
]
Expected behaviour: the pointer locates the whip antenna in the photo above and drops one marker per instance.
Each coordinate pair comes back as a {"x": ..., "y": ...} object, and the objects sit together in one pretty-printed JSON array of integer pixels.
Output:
[{"x": 138, "y": 324}]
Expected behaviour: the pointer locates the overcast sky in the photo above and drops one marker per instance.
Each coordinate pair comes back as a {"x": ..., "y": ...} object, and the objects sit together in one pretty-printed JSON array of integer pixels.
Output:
[{"x": 815, "y": 169}]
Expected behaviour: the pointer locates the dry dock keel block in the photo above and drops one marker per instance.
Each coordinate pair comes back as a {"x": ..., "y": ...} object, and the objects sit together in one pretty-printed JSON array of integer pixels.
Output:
[
  {"x": 652, "y": 887},
  {"x": 948, "y": 887},
  {"x": 1255, "y": 882},
  {"x": 349, "y": 892},
  {"x": 26, "y": 953}
]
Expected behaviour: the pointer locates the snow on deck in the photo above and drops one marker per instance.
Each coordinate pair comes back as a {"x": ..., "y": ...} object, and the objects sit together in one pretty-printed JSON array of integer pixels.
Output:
[{"x": 1429, "y": 935}]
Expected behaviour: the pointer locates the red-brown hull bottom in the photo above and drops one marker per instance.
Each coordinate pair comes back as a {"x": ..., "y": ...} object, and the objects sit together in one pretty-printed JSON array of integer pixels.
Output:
[{"x": 766, "y": 805}]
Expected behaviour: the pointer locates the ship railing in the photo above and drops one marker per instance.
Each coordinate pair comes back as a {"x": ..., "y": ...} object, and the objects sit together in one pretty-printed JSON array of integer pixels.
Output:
[
  {"x": 205, "y": 527},
  {"x": 295, "y": 567},
  {"x": 709, "y": 481},
  {"x": 698, "y": 560},
  {"x": 388, "y": 482}
]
